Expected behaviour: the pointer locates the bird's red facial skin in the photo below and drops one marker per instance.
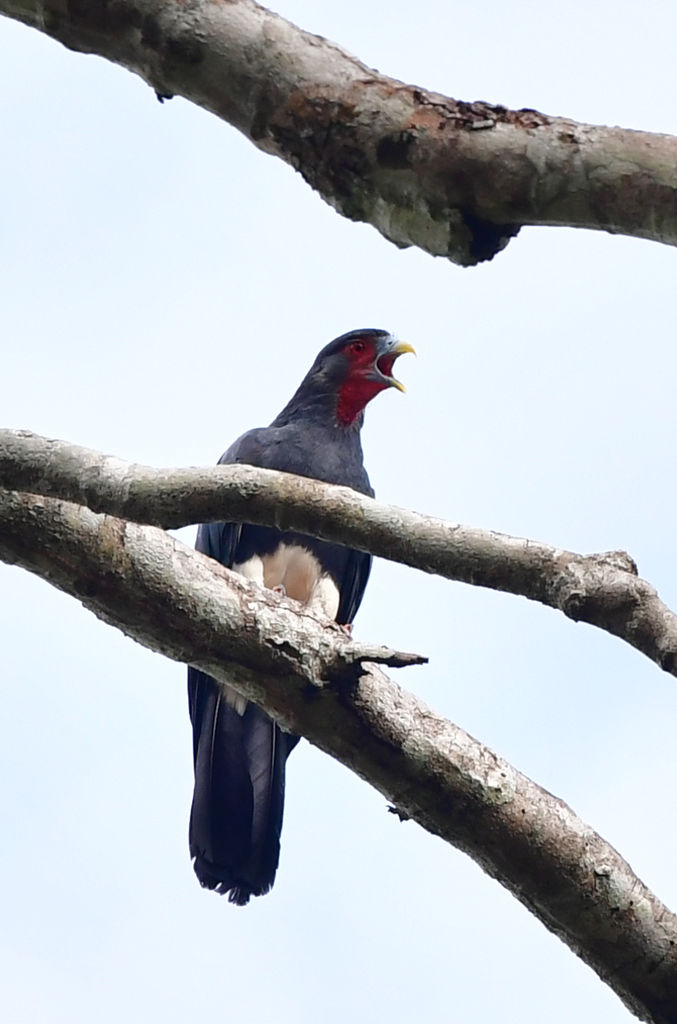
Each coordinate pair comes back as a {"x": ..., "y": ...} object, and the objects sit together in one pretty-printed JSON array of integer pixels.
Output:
[{"x": 357, "y": 389}]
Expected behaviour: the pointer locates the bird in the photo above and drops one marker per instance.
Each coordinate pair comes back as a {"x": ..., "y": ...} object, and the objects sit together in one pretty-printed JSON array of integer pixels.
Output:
[{"x": 239, "y": 752}]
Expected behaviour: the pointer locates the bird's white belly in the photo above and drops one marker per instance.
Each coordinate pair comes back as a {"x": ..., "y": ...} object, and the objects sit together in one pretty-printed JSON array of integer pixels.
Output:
[{"x": 294, "y": 571}]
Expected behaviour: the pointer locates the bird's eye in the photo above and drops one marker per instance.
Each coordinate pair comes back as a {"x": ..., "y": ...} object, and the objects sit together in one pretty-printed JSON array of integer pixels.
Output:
[{"x": 358, "y": 346}]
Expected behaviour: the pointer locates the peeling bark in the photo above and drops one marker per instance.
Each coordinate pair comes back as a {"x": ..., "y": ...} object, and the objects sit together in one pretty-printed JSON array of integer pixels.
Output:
[
  {"x": 314, "y": 680},
  {"x": 456, "y": 179},
  {"x": 603, "y": 590}
]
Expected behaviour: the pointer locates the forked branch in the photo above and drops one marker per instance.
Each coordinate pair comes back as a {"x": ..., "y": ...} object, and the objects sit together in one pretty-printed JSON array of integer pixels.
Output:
[{"x": 176, "y": 601}]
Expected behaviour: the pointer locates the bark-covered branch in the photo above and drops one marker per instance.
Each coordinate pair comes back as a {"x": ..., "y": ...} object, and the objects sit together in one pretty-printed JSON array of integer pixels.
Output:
[
  {"x": 188, "y": 607},
  {"x": 603, "y": 590},
  {"x": 456, "y": 179}
]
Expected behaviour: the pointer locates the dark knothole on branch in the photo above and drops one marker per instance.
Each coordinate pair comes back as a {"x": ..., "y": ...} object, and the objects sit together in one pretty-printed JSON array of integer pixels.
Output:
[
  {"x": 392, "y": 151},
  {"x": 488, "y": 239}
]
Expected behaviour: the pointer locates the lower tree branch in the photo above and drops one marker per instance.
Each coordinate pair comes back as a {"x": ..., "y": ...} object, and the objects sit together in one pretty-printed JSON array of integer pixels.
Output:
[
  {"x": 456, "y": 179},
  {"x": 188, "y": 607},
  {"x": 603, "y": 590}
]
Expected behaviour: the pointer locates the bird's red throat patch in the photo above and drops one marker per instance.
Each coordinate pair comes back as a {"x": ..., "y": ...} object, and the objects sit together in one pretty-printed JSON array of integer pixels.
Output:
[
  {"x": 356, "y": 392},
  {"x": 360, "y": 386}
]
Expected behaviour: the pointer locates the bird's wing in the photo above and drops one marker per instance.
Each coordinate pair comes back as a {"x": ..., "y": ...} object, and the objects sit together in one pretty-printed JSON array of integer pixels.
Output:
[
  {"x": 239, "y": 752},
  {"x": 353, "y": 583},
  {"x": 220, "y": 540},
  {"x": 239, "y": 755}
]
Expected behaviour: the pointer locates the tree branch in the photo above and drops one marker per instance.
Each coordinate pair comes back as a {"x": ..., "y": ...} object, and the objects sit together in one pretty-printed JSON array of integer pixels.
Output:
[
  {"x": 188, "y": 607},
  {"x": 602, "y": 590},
  {"x": 456, "y": 179}
]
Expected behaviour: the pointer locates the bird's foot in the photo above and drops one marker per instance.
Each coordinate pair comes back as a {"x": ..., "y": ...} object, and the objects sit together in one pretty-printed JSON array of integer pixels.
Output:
[
  {"x": 347, "y": 627},
  {"x": 280, "y": 589}
]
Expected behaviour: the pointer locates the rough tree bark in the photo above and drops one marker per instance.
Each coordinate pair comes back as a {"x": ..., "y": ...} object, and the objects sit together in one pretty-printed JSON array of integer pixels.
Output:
[
  {"x": 457, "y": 179},
  {"x": 317, "y": 682},
  {"x": 602, "y": 589},
  {"x": 321, "y": 684}
]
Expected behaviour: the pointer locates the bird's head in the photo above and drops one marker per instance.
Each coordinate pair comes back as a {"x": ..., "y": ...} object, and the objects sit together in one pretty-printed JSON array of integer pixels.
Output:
[{"x": 355, "y": 367}]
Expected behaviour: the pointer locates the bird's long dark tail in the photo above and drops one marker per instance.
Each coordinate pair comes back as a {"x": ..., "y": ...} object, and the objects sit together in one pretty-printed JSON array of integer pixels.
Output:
[{"x": 238, "y": 800}]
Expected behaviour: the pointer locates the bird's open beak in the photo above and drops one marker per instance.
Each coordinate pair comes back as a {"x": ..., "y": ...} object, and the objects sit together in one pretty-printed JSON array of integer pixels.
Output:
[{"x": 390, "y": 349}]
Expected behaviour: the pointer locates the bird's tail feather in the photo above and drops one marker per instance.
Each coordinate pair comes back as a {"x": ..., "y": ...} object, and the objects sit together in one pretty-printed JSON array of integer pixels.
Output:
[{"x": 238, "y": 800}]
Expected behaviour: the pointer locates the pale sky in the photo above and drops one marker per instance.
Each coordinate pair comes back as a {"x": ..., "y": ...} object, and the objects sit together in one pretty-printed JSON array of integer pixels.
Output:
[{"x": 164, "y": 287}]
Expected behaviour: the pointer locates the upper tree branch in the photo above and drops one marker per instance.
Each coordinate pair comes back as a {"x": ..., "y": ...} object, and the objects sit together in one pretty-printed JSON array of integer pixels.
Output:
[
  {"x": 603, "y": 590},
  {"x": 456, "y": 179},
  {"x": 177, "y": 601}
]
